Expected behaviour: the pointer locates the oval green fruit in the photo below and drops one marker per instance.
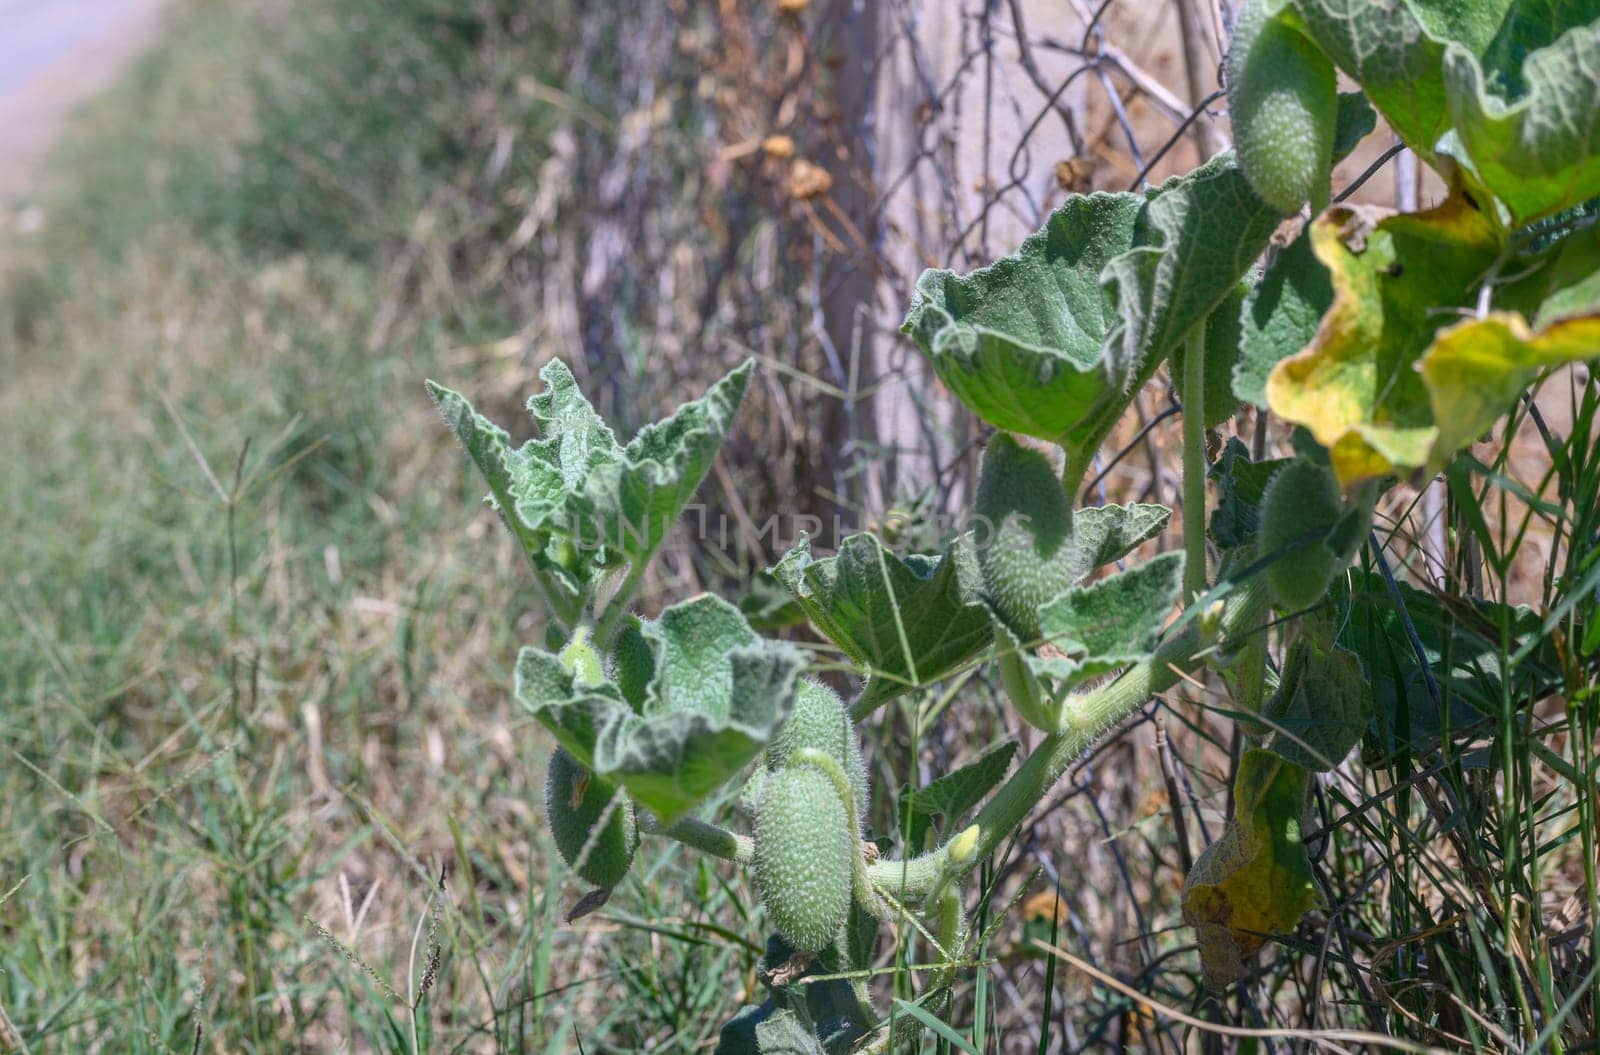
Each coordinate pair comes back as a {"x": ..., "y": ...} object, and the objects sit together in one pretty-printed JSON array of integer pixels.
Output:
[
  {"x": 574, "y": 801},
  {"x": 1300, "y": 506},
  {"x": 819, "y": 720},
  {"x": 1283, "y": 101},
  {"x": 1027, "y": 557},
  {"x": 803, "y": 847}
]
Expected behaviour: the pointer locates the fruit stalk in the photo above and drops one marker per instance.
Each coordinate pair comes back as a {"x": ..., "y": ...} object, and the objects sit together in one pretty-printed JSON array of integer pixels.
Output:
[
  {"x": 1085, "y": 717},
  {"x": 703, "y": 836}
]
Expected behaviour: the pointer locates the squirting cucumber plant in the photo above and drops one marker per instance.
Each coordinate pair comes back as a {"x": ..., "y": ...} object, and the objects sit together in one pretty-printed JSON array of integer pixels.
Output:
[{"x": 1387, "y": 342}]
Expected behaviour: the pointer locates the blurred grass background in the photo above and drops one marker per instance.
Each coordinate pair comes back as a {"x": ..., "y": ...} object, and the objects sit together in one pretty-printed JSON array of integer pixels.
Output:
[{"x": 255, "y": 643}]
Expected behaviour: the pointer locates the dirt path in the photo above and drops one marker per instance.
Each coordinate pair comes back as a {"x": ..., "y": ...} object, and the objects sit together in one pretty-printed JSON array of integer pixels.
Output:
[{"x": 54, "y": 54}]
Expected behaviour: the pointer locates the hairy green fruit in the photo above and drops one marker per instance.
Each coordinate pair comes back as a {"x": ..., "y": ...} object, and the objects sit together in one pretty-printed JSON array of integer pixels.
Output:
[
  {"x": 1283, "y": 99},
  {"x": 1027, "y": 557},
  {"x": 803, "y": 847},
  {"x": 819, "y": 720},
  {"x": 574, "y": 801},
  {"x": 1299, "y": 507}
]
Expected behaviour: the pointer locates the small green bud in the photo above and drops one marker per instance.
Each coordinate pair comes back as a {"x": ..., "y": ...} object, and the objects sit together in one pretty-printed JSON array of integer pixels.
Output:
[
  {"x": 963, "y": 846},
  {"x": 803, "y": 847},
  {"x": 1027, "y": 558},
  {"x": 581, "y": 660},
  {"x": 574, "y": 801},
  {"x": 562, "y": 553}
]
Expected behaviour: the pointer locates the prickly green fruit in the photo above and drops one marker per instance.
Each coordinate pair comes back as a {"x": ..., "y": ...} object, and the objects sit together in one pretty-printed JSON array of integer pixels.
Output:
[
  {"x": 819, "y": 720},
  {"x": 1027, "y": 557},
  {"x": 803, "y": 847},
  {"x": 1283, "y": 101},
  {"x": 574, "y": 801},
  {"x": 1299, "y": 507},
  {"x": 633, "y": 662}
]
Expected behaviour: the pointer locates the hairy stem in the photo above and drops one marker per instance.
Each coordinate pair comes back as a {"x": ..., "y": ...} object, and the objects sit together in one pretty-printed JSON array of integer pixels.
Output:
[
  {"x": 1079, "y": 458},
  {"x": 1085, "y": 718},
  {"x": 703, "y": 836},
  {"x": 1194, "y": 464}
]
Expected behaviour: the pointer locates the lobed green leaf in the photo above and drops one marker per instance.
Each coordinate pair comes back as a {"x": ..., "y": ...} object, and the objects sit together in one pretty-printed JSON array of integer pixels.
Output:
[
  {"x": 949, "y": 798},
  {"x": 716, "y": 693},
  {"x": 1108, "y": 624},
  {"x": 864, "y": 599},
  {"x": 1020, "y": 342}
]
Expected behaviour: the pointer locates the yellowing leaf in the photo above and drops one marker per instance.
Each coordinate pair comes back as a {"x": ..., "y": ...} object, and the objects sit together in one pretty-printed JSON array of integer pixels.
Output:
[
  {"x": 1255, "y": 881},
  {"x": 1475, "y": 369},
  {"x": 1356, "y": 386}
]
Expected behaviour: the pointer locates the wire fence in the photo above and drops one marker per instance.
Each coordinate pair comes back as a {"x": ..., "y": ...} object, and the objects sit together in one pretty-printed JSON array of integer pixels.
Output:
[{"x": 781, "y": 175}]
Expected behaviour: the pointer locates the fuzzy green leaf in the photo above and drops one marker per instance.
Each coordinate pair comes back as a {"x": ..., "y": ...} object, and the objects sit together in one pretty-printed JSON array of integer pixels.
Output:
[
  {"x": 1019, "y": 342},
  {"x": 950, "y": 797},
  {"x": 1321, "y": 708},
  {"x": 1102, "y": 534},
  {"x": 715, "y": 695},
  {"x": 1196, "y": 237},
  {"x": 1109, "y": 624},
  {"x": 1241, "y": 483},
  {"x": 866, "y": 596},
  {"x": 785, "y": 1034},
  {"x": 632, "y": 503},
  {"x": 1050, "y": 341},
  {"x": 575, "y": 499},
  {"x": 1395, "y": 49},
  {"x": 767, "y": 1029},
  {"x": 1530, "y": 129},
  {"x": 575, "y": 438},
  {"x": 1280, "y": 317},
  {"x": 489, "y": 447}
]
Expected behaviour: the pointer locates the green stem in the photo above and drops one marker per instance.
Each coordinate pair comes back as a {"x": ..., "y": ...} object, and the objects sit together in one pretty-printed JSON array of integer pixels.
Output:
[
  {"x": 1194, "y": 464},
  {"x": 1085, "y": 718},
  {"x": 617, "y": 607},
  {"x": 1077, "y": 467},
  {"x": 1250, "y": 681},
  {"x": 707, "y": 838}
]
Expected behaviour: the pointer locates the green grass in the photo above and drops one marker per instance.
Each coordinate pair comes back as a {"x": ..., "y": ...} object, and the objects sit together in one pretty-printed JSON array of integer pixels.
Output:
[{"x": 252, "y": 637}]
